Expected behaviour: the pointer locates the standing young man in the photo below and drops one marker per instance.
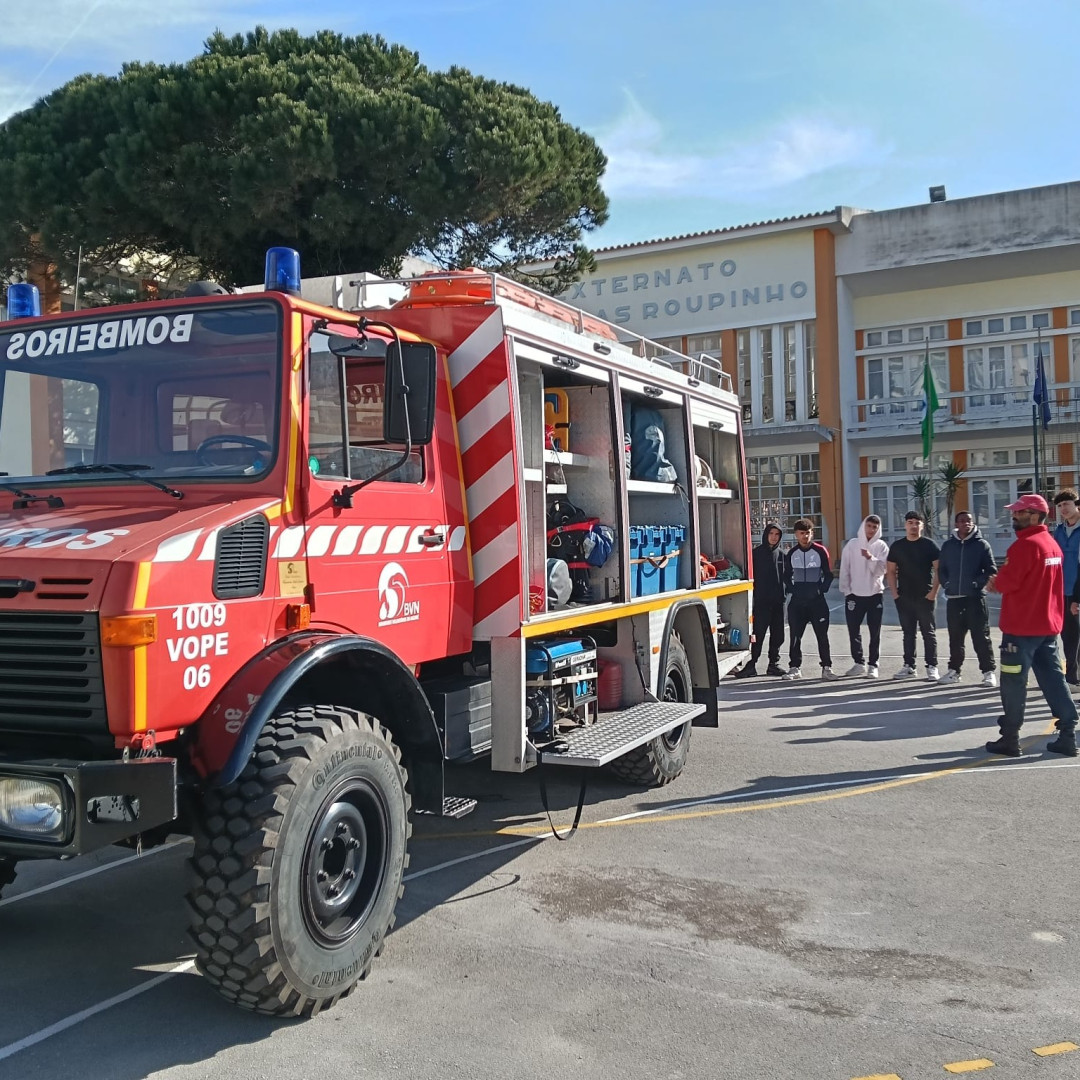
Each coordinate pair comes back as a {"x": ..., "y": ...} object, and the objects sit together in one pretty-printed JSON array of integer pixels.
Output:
[
  {"x": 1067, "y": 535},
  {"x": 965, "y": 566},
  {"x": 807, "y": 577},
  {"x": 911, "y": 572},
  {"x": 862, "y": 581},
  {"x": 768, "y": 602},
  {"x": 1032, "y": 606}
]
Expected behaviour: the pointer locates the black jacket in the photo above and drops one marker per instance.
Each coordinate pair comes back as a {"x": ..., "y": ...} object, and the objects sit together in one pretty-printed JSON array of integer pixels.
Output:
[
  {"x": 965, "y": 566},
  {"x": 768, "y": 569}
]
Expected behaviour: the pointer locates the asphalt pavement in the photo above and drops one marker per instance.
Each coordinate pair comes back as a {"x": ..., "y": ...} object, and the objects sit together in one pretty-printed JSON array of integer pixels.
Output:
[{"x": 841, "y": 884}]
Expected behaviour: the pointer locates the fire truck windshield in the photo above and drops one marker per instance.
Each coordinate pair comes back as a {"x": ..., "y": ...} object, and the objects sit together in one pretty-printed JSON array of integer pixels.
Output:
[{"x": 180, "y": 394}]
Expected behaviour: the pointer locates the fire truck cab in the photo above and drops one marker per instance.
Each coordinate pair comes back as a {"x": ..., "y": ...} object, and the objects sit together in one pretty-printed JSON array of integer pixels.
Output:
[{"x": 267, "y": 565}]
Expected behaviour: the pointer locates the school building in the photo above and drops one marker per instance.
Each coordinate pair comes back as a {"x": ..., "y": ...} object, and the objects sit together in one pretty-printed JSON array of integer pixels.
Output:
[{"x": 825, "y": 321}]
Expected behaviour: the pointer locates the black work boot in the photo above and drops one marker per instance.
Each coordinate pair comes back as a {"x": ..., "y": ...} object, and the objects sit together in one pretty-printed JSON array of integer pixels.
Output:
[
  {"x": 1064, "y": 744},
  {"x": 747, "y": 672},
  {"x": 775, "y": 669},
  {"x": 1007, "y": 746}
]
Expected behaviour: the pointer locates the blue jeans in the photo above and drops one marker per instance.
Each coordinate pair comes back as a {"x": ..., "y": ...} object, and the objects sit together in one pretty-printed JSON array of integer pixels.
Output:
[{"x": 1019, "y": 655}]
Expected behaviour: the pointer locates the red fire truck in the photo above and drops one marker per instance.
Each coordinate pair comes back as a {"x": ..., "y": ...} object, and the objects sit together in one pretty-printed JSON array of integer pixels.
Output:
[{"x": 266, "y": 566}]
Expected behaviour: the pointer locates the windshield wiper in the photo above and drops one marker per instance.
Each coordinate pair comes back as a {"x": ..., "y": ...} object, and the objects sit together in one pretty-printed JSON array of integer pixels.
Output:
[
  {"x": 54, "y": 502},
  {"x": 125, "y": 470}
]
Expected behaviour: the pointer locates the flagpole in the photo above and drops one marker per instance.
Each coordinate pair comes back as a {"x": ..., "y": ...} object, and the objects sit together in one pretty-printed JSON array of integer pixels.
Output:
[{"x": 1035, "y": 407}]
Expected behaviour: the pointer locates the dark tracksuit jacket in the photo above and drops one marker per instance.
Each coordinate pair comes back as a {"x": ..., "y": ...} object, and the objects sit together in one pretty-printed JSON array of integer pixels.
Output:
[{"x": 807, "y": 578}]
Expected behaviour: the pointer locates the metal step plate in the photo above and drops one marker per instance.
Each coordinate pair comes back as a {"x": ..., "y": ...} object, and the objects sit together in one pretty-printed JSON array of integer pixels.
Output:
[
  {"x": 616, "y": 732},
  {"x": 453, "y": 806}
]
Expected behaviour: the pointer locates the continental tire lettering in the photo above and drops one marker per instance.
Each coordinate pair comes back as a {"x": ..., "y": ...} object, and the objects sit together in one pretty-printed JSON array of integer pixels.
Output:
[
  {"x": 327, "y": 979},
  {"x": 340, "y": 757}
]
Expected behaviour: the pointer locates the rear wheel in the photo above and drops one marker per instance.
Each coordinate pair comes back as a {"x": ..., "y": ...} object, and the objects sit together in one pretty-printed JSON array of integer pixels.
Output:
[
  {"x": 659, "y": 761},
  {"x": 7, "y": 871},
  {"x": 298, "y": 865}
]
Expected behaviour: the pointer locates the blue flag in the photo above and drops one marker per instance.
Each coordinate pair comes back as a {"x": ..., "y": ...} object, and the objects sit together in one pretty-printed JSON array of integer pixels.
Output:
[{"x": 1041, "y": 396}]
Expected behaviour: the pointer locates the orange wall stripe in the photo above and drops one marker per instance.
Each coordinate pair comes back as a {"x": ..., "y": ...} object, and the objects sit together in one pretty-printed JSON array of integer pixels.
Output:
[{"x": 828, "y": 376}]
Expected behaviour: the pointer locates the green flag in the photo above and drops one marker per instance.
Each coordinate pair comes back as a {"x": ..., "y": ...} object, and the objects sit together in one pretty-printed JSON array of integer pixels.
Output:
[{"x": 932, "y": 403}]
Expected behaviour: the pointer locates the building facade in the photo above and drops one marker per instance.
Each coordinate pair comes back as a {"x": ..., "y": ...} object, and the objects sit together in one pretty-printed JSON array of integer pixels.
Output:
[{"x": 825, "y": 323}]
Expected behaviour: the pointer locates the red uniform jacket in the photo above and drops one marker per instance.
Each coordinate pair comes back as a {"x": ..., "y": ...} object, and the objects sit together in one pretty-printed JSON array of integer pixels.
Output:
[{"x": 1030, "y": 581}]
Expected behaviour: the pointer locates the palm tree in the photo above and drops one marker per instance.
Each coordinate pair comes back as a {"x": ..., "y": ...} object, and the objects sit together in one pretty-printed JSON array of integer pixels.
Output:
[
  {"x": 949, "y": 476},
  {"x": 922, "y": 490}
]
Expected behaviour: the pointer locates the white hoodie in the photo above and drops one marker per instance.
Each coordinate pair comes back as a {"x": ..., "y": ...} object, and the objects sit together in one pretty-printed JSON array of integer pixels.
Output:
[{"x": 860, "y": 576}]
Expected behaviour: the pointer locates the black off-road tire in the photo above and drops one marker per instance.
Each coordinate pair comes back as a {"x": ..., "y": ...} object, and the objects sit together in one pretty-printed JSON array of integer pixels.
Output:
[
  {"x": 298, "y": 865},
  {"x": 660, "y": 760},
  {"x": 7, "y": 872}
]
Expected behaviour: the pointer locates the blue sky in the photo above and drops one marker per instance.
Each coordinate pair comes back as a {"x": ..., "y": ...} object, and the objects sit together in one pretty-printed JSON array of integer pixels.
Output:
[{"x": 712, "y": 113}]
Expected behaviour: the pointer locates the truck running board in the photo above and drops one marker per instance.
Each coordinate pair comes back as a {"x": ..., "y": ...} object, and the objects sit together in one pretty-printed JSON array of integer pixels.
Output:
[
  {"x": 454, "y": 806},
  {"x": 615, "y": 733}
]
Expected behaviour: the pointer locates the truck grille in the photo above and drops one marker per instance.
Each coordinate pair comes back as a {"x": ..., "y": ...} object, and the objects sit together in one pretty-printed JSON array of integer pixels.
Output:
[{"x": 50, "y": 672}]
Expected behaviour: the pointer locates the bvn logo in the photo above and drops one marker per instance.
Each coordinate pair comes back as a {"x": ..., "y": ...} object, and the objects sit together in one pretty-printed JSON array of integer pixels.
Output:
[{"x": 394, "y": 606}]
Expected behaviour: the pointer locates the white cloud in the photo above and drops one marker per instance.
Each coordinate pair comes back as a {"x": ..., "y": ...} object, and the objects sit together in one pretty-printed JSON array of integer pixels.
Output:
[{"x": 639, "y": 164}]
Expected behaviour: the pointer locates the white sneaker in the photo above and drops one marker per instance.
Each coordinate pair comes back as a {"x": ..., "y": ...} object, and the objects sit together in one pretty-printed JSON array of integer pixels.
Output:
[
  {"x": 950, "y": 676},
  {"x": 855, "y": 671},
  {"x": 793, "y": 674},
  {"x": 905, "y": 673},
  {"x": 872, "y": 672},
  {"x": 989, "y": 679},
  {"x": 827, "y": 673},
  {"x": 932, "y": 674}
]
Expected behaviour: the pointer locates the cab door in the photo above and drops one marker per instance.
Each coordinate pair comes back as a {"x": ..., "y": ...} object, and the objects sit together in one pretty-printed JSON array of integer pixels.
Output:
[{"x": 384, "y": 531}]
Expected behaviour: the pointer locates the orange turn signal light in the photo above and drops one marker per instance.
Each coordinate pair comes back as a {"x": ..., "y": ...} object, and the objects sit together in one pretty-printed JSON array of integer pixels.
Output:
[
  {"x": 128, "y": 629},
  {"x": 297, "y": 616}
]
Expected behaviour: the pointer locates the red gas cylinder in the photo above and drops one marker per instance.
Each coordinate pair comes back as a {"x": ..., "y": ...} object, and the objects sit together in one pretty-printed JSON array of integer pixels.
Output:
[{"x": 609, "y": 685}]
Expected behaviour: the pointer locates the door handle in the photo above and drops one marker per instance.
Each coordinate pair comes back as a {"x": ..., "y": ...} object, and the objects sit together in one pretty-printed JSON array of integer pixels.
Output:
[{"x": 431, "y": 539}]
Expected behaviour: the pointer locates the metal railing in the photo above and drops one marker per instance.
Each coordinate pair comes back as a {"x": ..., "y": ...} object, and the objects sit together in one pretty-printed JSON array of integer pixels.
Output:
[{"x": 989, "y": 407}]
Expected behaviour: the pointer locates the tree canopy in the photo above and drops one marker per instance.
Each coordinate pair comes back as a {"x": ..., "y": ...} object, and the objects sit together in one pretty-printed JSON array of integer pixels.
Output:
[{"x": 346, "y": 148}]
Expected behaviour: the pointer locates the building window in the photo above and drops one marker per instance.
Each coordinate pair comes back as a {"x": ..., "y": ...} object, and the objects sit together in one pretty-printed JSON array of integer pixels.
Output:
[
  {"x": 894, "y": 384},
  {"x": 810, "y": 345},
  {"x": 788, "y": 337},
  {"x": 766, "y": 341},
  {"x": 745, "y": 388},
  {"x": 783, "y": 488},
  {"x": 1006, "y": 369},
  {"x": 873, "y": 337}
]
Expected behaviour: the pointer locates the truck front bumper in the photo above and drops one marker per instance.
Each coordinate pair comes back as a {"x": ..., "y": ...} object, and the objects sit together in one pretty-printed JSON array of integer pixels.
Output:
[{"x": 54, "y": 809}]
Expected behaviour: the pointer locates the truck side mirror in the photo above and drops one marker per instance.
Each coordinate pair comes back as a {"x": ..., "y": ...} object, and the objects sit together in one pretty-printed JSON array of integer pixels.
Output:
[{"x": 416, "y": 395}]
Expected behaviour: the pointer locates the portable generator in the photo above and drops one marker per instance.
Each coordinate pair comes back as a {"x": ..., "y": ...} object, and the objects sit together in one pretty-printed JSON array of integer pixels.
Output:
[{"x": 560, "y": 685}]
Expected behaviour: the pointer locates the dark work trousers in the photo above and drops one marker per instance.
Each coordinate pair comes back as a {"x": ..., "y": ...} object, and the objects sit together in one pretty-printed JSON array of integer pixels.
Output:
[
  {"x": 1019, "y": 655},
  {"x": 870, "y": 608},
  {"x": 814, "y": 611},
  {"x": 769, "y": 617},
  {"x": 917, "y": 611},
  {"x": 968, "y": 614},
  {"x": 1070, "y": 641}
]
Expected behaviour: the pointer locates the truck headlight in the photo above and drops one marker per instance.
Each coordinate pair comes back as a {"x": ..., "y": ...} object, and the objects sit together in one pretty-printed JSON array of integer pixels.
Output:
[{"x": 32, "y": 807}]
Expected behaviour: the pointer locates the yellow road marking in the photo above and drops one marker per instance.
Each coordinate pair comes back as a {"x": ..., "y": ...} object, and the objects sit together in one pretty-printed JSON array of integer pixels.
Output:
[
  {"x": 878, "y": 1076},
  {"x": 969, "y": 1066},
  {"x": 1055, "y": 1048}
]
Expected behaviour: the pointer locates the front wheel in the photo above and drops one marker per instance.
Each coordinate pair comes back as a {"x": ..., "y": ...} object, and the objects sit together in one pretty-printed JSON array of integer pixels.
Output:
[
  {"x": 662, "y": 759},
  {"x": 7, "y": 871},
  {"x": 298, "y": 865}
]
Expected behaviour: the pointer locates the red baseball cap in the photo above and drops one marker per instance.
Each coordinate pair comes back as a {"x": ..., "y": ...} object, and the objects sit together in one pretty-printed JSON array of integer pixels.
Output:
[{"x": 1030, "y": 502}]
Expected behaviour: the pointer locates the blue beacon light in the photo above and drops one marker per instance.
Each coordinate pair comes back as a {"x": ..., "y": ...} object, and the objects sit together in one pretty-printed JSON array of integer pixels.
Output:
[
  {"x": 283, "y": 270},
  {"x": 23, "y": 301}
]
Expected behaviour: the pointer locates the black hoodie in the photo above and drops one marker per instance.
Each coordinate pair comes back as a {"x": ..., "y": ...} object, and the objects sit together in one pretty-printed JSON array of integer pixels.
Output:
[{"x": 769, "y": 569}]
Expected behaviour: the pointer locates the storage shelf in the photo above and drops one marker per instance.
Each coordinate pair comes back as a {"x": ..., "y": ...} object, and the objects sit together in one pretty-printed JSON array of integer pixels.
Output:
[
  {"x": 556, "y": 489},
  {"x": 560, "y": 458},
  {"x": 653, "y": 486},
  {"x": 723, "y": 494},
  {"x": 533, "y": 475}
]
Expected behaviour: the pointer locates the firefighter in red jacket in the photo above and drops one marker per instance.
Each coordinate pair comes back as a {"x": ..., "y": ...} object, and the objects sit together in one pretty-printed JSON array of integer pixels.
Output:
[{"x": 1032, "y": 612}]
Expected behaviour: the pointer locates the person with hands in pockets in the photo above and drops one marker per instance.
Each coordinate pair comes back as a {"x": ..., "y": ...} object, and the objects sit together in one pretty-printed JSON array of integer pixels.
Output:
[
  {"x": 965, "y": 565},
  {"x": 807, "y": 577},
  {"x": 912, "y": 577},
  {"x": 862, "y": 581}
]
